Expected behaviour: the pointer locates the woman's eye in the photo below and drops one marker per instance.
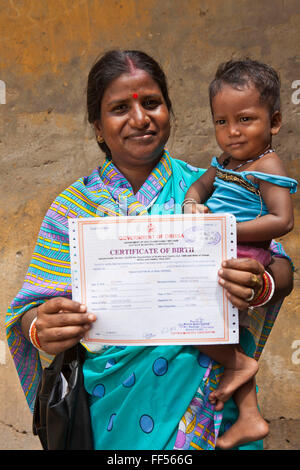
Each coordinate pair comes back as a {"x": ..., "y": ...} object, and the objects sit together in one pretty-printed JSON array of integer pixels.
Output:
[
  {"x": 120, "y": 108},
  {"x": 150, "y": 104}
]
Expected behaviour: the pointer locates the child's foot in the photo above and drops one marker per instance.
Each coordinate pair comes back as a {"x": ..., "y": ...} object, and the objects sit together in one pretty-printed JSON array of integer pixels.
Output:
[
  {"x": 232, "y": 379},
  {"x": 251, "y": 427}
]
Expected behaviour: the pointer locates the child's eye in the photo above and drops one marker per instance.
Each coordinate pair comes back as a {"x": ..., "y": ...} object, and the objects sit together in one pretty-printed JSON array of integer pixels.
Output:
[
  {"x": 245, "y": 119},
  {"x": 220, "y": 122}
]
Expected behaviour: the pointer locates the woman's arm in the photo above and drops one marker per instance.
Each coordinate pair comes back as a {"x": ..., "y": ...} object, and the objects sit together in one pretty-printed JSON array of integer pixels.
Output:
[
  {"x": 282, "y": 272},
  {"x": 60, "y": 323}
]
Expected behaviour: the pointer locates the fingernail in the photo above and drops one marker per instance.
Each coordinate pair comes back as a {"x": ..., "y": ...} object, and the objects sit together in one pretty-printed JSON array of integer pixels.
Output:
[
  {"x": 82, "y": 308},
  {"x": 92, "y": 317},
  {"x": 221, "y": 281},
  {"x": 220, "y": 272}
]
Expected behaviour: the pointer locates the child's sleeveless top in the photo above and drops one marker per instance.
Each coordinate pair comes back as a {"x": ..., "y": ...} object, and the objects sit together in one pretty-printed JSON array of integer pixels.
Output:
[{"x": 237, "y": 194}]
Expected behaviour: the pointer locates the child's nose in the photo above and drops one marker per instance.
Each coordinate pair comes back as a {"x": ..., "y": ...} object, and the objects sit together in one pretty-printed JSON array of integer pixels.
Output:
[{"x": 233, "y": 130}]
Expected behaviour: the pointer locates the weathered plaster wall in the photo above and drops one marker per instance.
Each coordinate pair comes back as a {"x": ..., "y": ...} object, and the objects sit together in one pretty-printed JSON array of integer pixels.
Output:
[{"x": 46, "y": 51}]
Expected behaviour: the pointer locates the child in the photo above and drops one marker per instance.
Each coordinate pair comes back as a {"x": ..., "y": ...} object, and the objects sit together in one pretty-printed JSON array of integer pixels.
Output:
[{"x": 249, "y": 181}]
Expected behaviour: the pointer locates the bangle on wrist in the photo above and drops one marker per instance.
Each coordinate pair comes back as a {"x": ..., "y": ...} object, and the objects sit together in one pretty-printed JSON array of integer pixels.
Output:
[
  {"x": 266, "y": 293},
  {"x": 33, "y": 335},
  {"x": 188, "y": 200}
]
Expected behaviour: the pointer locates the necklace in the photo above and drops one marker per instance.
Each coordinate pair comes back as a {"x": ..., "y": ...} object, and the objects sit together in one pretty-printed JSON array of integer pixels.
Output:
[{"x": 227, "y": 160}]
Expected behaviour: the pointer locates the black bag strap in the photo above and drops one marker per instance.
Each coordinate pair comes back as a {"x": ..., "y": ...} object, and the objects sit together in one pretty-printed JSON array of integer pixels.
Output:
[
  {"x": 71, "y": 354},
  {"x": 66, "y": 357}
]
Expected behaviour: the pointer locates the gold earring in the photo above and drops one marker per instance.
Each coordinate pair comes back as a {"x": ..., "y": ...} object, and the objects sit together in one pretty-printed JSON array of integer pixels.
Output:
[{"x": 100, "y": 139}]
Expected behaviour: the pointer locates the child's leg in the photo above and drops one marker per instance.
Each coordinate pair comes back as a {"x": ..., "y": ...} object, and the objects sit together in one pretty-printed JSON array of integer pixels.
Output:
[
  {"x": 250, "y": 425},
  {"x": 238, "y": 369}
]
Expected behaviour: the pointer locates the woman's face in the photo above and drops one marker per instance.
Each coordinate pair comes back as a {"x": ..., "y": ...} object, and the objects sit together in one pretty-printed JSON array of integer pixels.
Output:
[{"x": 135, "y": 121}]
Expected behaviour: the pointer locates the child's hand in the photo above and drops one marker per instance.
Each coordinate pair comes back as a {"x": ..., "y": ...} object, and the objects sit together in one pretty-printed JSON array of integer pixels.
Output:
[{"x": 194, "y": 208}]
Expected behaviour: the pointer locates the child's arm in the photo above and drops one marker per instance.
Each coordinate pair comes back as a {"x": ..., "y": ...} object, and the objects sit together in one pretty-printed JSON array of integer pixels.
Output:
[
  {"x": 201, "y": 189},
  {"x": 280, "y": 219}
]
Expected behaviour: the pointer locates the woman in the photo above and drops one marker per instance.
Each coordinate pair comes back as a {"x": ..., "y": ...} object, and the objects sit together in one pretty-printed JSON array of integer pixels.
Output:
[{"x": 138, "y": 395}]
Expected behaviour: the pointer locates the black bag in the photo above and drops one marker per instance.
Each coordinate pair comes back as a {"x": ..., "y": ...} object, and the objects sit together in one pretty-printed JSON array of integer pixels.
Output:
[{"x": 63, "y": 423}]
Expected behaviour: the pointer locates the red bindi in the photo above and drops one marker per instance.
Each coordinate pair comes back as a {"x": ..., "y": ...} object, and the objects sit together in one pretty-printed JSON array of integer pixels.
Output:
[{"x": 135, "y": 96}]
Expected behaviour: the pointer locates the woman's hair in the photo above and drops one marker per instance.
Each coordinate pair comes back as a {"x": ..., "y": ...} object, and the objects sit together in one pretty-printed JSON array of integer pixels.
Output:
[
  {"x": 111, "y": 66},
  {"x": 241, "y": 73}
]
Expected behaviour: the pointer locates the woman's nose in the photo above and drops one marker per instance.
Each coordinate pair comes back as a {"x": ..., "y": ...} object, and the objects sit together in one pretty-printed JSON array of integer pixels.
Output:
[{"x": 139, "y": 117}]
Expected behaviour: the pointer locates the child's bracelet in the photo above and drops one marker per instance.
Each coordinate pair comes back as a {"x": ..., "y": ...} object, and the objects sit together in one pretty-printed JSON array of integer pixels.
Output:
[
  {"x": 33, "y": 335},
  {"x": 267, "y": 291}
]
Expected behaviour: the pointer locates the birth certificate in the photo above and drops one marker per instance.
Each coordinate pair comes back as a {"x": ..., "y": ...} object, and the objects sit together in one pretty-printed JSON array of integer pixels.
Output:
[{"x": 153, "y": 280}]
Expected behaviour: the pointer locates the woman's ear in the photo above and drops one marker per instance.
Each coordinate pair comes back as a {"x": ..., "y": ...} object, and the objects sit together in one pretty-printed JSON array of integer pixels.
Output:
[
  {"x": 276, "y": 121},
  {"x": 98, "y": 131}
]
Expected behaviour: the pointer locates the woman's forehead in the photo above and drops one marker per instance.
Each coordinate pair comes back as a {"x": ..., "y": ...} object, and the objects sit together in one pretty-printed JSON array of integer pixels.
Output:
[{"x": 128, "y": 84}]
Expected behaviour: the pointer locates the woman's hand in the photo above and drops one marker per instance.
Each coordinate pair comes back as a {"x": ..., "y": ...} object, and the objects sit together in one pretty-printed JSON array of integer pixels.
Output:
[
  {"x": 240, "y": 276},
  {"x": 60, "y": 324}
]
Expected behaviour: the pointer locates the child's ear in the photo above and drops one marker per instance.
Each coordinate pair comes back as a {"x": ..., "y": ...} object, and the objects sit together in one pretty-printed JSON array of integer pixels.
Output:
[{"x": 276, "y": 121}]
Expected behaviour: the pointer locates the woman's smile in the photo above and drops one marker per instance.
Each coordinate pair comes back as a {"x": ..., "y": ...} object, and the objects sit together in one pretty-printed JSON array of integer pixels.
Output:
[{"x": 142, "y": 136}]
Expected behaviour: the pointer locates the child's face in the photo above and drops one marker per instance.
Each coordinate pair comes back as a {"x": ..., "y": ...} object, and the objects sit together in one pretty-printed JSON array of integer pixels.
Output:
[{"x": 242, "y": 123}]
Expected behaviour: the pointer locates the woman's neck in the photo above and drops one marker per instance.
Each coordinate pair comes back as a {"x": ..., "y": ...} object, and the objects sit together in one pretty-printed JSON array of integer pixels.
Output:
[{"x": 136, "y": 175}]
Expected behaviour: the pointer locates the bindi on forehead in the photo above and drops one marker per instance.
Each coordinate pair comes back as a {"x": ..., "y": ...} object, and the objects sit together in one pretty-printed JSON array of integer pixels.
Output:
[{"x": 128, "y": 86}]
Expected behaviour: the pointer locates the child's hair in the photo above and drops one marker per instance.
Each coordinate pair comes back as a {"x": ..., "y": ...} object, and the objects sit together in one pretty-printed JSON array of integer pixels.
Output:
[{"x": 245, "y": 72}]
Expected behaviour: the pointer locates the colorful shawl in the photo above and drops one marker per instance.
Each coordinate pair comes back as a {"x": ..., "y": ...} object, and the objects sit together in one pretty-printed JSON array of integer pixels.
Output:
[{"x": 106, "y": 192}]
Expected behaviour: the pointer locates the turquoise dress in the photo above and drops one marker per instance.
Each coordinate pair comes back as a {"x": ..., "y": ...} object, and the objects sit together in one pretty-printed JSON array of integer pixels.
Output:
[
  {"x": 140, "y": 397},
  {"x": 236, "y": 193}
]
